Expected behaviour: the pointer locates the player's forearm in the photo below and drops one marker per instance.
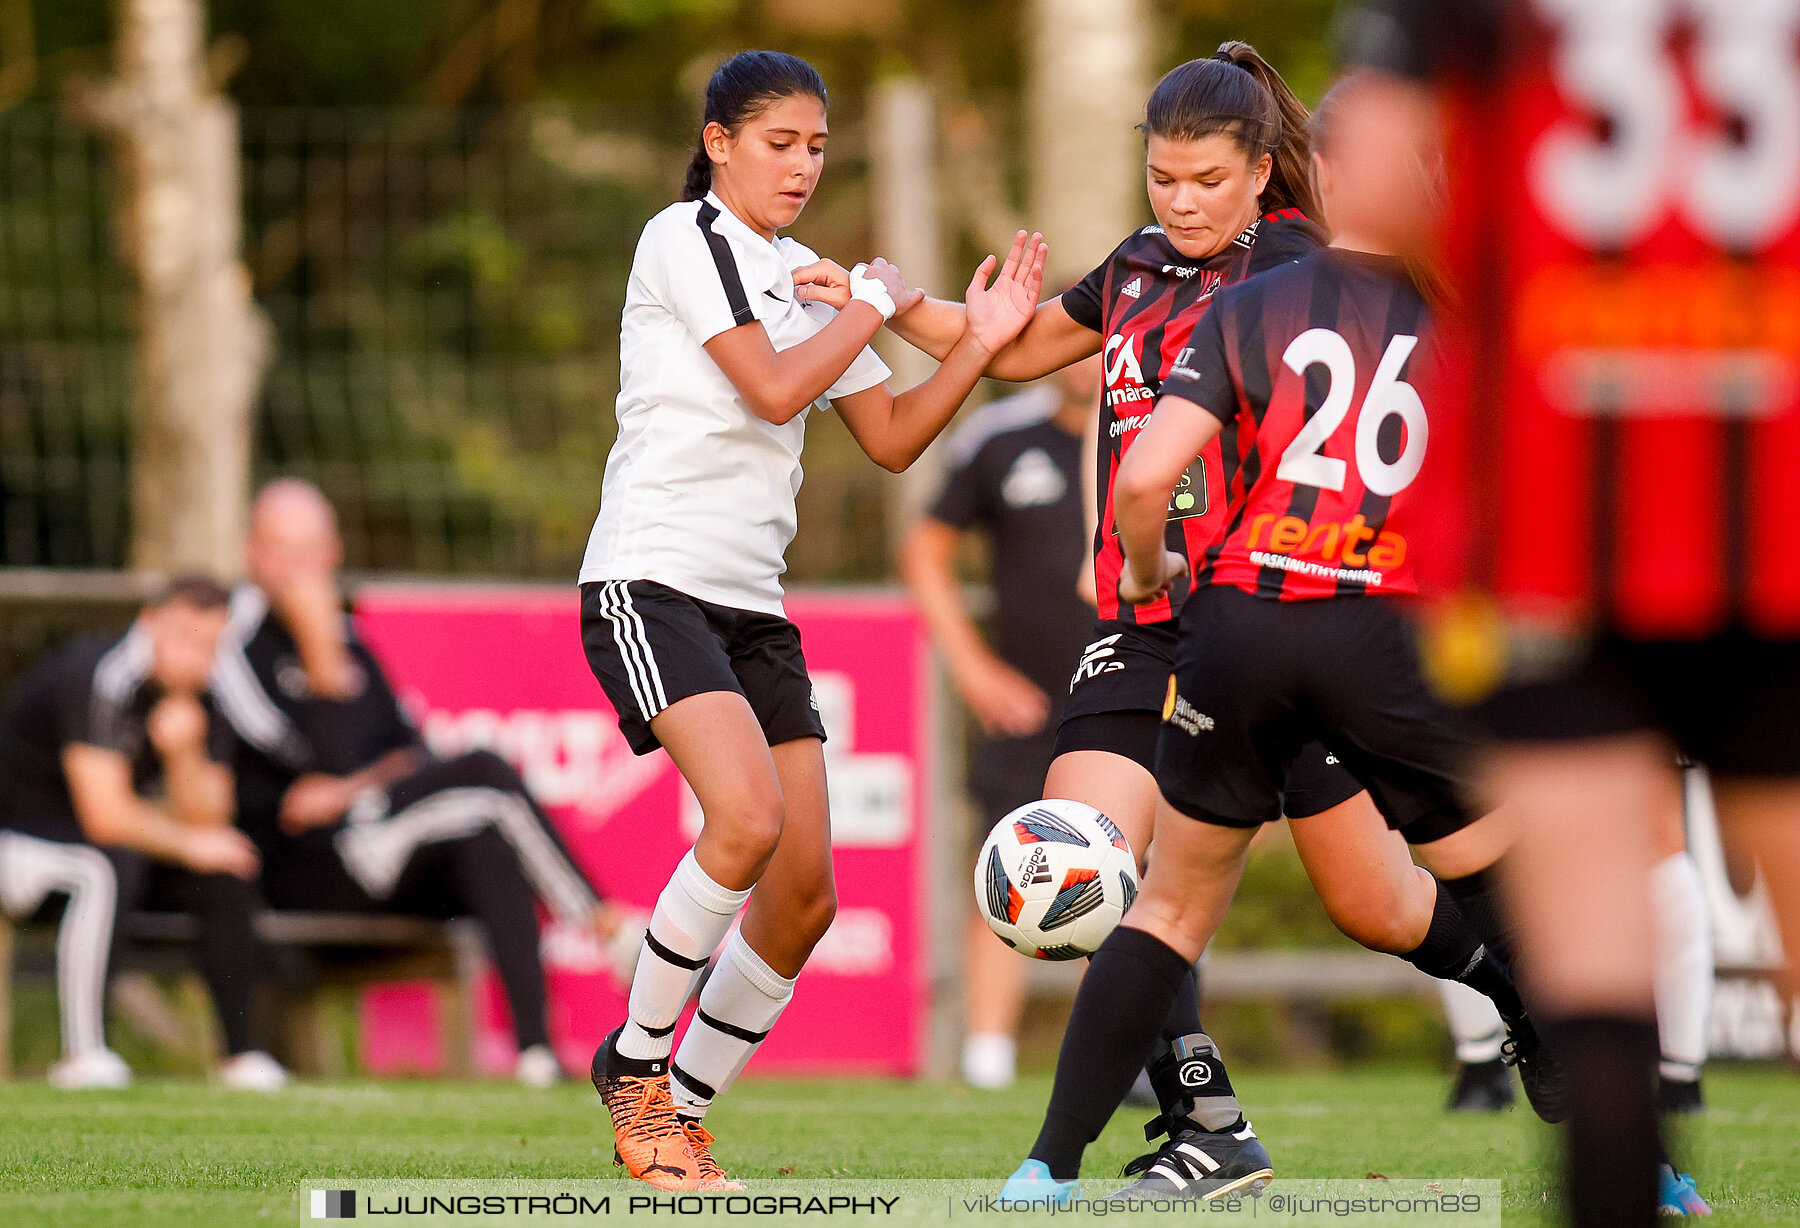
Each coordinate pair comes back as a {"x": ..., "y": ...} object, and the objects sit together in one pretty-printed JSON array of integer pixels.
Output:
[
  {"x": 393, "y": 766},
  {"x": 136, "y": 824},
  {"x": 935, "y": 326},
  {"x": 796, "y": 377},
  {"x": 199, "y": 790},
  {"x": 313, "y": 614},
  {"x": 1141, "y": 513},
  {"x": 920, "y": 414},
  {"x": 939, "y": 599},
  {"x": 932, "y": 325}
]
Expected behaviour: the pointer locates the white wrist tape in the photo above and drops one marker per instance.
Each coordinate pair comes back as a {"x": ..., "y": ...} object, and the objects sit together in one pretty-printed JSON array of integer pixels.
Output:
[{"x": 871, "y": 290}]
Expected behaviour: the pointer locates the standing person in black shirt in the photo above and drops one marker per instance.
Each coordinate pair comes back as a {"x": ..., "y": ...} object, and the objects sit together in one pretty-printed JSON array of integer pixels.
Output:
[
  {"x": 116, "y": 797},
  {"x": 349, "y": 809},
  {"x": 1015, "y": 479}
]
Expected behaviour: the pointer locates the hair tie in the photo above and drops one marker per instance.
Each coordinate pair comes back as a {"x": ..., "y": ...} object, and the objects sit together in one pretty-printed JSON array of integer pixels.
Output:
[{"x": 1227, "y": 58}]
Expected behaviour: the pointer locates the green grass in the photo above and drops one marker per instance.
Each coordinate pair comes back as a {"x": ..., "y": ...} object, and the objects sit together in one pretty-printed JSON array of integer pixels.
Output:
[{"x": 180, "y": 1153}]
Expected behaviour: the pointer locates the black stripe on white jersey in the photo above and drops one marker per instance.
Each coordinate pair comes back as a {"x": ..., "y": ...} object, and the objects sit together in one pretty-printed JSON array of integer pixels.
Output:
[{"x": 726, "y": 264}]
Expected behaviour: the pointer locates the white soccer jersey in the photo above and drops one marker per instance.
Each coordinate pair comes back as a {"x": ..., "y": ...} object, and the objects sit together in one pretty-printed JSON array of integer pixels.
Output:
[{"x": 699, "y": 491}]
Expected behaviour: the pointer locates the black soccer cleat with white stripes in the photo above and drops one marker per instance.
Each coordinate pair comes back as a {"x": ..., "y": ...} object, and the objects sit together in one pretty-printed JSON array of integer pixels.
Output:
[{"x": 1200, "y": 1164}]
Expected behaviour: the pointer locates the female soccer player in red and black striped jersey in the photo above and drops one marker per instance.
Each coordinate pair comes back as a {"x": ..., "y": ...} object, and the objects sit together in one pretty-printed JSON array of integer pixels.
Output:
[
  {"x": 1308, "y": 376},
  {"x": 1227, "y": 176}
]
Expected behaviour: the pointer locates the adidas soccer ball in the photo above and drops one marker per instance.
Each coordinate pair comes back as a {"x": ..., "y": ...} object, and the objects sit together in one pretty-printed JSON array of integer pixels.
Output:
[{"x": 1053, "y": 878}]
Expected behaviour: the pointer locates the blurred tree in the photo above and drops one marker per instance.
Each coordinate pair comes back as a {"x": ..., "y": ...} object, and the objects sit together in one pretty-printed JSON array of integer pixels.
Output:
[
  {"x": 1089, "y": 74},
  {"x": 201, "y": 343}
]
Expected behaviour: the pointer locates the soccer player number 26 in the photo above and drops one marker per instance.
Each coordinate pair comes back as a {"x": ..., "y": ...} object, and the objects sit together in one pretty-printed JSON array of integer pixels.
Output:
[{"x": 1389, "y": 396}]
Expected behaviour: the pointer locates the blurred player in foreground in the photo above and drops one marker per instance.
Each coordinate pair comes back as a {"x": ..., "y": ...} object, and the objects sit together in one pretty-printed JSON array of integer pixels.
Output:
[
  {"x": 349, "y": 809},
  {"x": 1627, "y": 243},
  {"x": 115, "y": 795},
  {"x": 1684, "y": 989},
  {"x": 1016, "y": 480}
]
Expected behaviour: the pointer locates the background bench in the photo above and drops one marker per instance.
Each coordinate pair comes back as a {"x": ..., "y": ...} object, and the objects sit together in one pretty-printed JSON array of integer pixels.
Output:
[{"x": 315, "y": 954}]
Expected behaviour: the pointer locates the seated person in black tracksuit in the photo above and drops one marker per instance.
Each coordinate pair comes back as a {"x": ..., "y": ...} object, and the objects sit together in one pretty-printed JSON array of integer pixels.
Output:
[
  {"x": 349, "y": 810},
  {"x": 115, "y": 796}
]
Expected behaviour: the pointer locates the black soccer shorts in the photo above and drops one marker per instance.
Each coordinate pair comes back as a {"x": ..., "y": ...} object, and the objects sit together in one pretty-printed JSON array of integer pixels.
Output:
[
  {"x": 1256, "y": 681},
  {"x": 651, "y": 646},
  {"x": 1117, "y": 700},
  {"x": 1731, "y": 702}
]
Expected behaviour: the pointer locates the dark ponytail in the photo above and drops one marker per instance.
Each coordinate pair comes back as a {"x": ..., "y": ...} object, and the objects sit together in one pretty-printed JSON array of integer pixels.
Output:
[
  {"x": 739, "y": 90},
  {"x": 1239, "y": 94}
]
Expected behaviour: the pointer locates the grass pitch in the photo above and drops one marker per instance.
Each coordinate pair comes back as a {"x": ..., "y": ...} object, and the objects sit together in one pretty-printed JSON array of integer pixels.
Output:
[{"x": 181, "y": 1153}]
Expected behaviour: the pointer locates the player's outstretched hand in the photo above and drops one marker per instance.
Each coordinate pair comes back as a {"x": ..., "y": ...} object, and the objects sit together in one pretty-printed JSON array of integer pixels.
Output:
[
  {"x": 823, "y": 281},
  {"x": 1174, "y": 567},
  {"x": 1000, "y": 312}
]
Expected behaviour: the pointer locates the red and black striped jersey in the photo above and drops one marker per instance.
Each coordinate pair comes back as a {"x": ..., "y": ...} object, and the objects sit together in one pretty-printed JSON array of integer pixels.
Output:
[
  {"x": 1145, "y": 300},
  {"x": 1628, "y": 432},
  {"x": 1314, "y": 369}
]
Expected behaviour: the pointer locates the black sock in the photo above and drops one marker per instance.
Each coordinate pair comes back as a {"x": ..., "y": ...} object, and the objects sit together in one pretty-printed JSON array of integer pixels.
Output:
[
  {"x": 1453, "y": 951},
  {"x": 1612, "y": 1147},
  {"x": 1123, "y": 1001},
  {"x": 1183, "y": 1018},
  {"x": 1478, "y": 897}
]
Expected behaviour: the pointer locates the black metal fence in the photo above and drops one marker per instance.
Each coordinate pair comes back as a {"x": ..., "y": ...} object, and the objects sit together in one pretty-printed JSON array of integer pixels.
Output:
[{"x": 445, "y": 289}]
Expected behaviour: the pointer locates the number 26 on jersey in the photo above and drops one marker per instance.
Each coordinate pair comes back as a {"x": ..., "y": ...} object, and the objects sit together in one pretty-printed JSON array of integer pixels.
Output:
[{"x": 1304, "y": 461}]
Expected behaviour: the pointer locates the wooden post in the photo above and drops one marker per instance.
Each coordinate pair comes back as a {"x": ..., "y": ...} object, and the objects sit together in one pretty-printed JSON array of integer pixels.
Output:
[
  {"x": 904, "y": 204},
  {"x": 202, "y": 345},
  {"x": 1088, "y": 76}
]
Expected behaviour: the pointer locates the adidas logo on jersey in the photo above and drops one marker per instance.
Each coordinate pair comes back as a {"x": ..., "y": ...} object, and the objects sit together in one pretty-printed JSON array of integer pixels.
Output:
[{"x": 1133, "y": 288}]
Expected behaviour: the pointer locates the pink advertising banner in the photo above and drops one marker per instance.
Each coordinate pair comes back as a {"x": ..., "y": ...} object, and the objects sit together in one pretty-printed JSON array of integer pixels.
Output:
[{"x": 502, "y": 668}]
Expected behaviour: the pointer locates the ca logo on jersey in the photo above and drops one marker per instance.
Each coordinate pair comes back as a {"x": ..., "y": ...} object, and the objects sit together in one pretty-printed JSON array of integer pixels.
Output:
[
  {"x": 1097, "y": 659},
  {"x": 1122, "y": 359},
  {"x": 1124, "y": 375}
]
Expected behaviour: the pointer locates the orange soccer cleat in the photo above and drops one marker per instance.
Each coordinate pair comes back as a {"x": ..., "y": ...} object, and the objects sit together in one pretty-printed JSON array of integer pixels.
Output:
[
  {"x": 699, "y": 1141},
  {"x": 647, "y": 1138}
]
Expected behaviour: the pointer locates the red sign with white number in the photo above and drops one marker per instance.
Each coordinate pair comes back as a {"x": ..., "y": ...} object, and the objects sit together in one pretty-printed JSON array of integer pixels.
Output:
[{"x": 502, "y": 668}]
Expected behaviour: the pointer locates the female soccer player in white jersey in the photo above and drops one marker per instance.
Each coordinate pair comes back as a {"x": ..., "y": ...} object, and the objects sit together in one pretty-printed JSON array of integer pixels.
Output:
[
  {"x": 681, "y": 587},
  {"x": 1227, "y": 174}
]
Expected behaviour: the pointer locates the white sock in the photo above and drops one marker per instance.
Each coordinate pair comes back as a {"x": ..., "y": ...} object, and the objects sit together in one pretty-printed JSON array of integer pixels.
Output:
[
  {"x": 742, "y": 1000},
  {"x": 1474, "y": 1023},
  {"x": 691, "y": 917},
  {"x": 1684, "y": 971},
  {"x": 989, "y": 1060}
]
